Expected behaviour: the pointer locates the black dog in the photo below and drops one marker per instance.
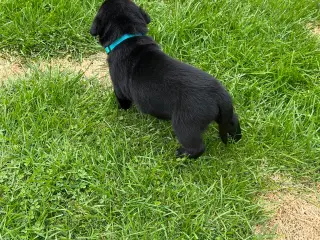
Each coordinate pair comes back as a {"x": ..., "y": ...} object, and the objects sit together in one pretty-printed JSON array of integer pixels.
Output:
[{"x": 158, "y": 84}]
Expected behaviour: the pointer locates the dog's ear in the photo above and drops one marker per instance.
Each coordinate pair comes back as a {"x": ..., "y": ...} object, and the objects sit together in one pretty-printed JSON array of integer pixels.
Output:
[
  {"x": 145, "y": 15},
  {"x": 94, "y": 28}
]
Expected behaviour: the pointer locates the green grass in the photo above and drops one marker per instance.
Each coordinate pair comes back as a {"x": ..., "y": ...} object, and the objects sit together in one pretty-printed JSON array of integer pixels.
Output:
[
  {"x": 47, "y": 28},
  {"x": 73, "y": 166}
]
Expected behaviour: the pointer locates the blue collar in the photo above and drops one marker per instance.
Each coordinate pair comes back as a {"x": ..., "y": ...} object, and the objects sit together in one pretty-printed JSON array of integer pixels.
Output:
[{"x": 120, "y": 40}]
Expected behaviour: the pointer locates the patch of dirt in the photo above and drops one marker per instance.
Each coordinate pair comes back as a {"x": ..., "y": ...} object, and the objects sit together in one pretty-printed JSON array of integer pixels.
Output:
[
  {"x": 93, "y": 66},
  {"x": 295, "y": 211},
  {"x": 314, "y": 28},
  {"x": 10, "y": 68}
]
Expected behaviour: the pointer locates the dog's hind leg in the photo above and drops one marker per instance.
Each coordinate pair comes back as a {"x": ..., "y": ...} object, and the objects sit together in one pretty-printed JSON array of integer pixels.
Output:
[{"x": 189, "y": 135}]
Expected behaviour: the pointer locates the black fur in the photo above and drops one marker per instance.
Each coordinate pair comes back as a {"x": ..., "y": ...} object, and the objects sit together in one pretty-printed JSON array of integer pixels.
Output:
[{"x": 160, "y": 85}]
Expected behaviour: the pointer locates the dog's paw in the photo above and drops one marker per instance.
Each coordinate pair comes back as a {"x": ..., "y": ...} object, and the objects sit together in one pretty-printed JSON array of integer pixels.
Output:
[
  {"x": 124, "y": 104},
  {"x": 121, "y": 107},
  {"x": 182, "y": 153}
]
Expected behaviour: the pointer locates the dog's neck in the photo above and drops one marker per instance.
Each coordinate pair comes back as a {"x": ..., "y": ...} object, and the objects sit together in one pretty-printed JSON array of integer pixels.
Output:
[
  {"x": 134, "y": 45},
  {"x": 130, "y": 50},
  {"x": 120, "y": 40}
]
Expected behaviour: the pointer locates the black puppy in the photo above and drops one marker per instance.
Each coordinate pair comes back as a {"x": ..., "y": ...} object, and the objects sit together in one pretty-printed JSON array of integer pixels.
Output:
[{"x": 158, "y": 84}]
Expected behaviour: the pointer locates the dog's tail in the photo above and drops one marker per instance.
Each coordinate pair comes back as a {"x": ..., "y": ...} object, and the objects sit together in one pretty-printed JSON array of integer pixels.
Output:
[{"x": 229, "y": 126}]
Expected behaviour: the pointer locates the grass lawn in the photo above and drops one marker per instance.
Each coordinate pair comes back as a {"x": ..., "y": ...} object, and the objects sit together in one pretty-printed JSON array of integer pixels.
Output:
[{"x": 73, "y": 166}]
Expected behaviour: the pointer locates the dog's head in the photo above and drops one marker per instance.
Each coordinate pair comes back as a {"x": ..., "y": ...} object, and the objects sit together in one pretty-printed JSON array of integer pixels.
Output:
[{"x": 116, "y": 18}]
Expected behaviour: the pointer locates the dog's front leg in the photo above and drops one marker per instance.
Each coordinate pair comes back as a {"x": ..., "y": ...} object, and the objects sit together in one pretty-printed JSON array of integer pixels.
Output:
[{"x": 123, "y": 102}]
